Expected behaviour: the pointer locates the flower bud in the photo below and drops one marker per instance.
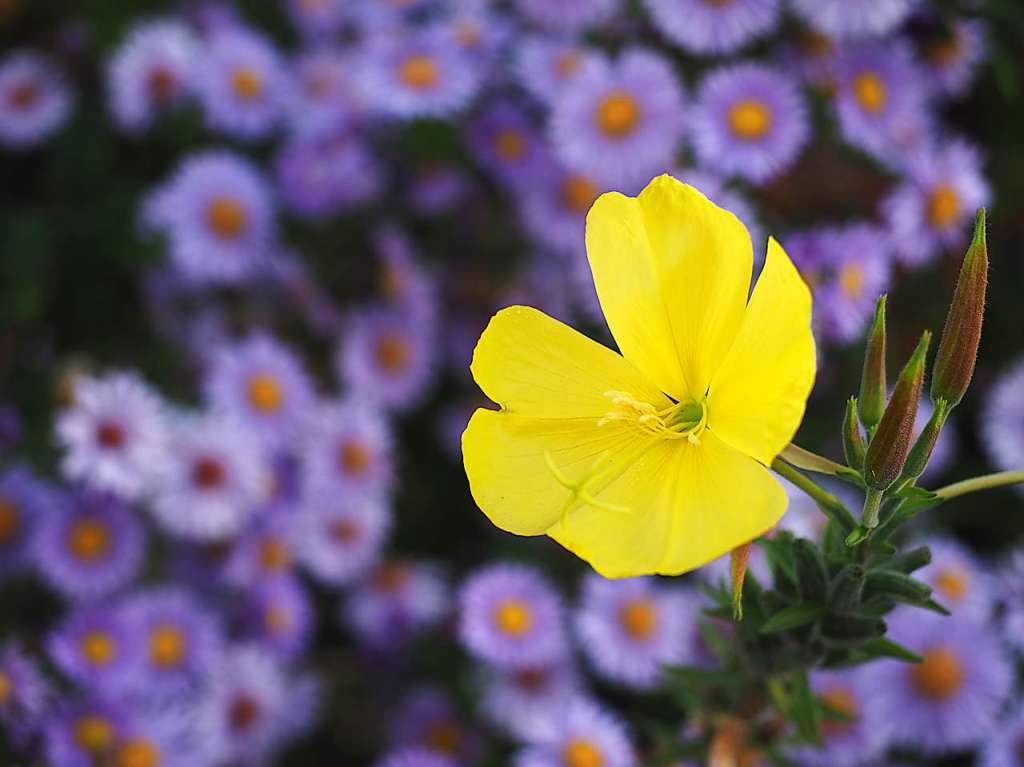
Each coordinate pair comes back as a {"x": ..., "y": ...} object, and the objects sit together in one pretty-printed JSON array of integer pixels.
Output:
[
  {"x": 853, "y": 440},
  {"x": 921, "y": 452},
  {"x": 891, "y": 442},
  {"x": 873, "y": 385},
  {"x": 958, "y": 349},
  {"x": 739, "y": 558}
]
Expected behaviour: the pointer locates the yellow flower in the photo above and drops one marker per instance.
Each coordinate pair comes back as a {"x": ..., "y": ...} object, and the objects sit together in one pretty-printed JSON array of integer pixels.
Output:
[{"x": 652, "y": 461}]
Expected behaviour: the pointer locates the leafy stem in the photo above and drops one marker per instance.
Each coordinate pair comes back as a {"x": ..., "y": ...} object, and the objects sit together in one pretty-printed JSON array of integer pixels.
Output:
[
  {"x": 985, "y": 482},
  {"x": 828, "y": 503},
  {"x": 808, "y": 461}
]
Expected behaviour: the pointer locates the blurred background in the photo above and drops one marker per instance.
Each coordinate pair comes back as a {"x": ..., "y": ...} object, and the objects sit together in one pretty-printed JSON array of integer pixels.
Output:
[{"x": 245, "y": 252}]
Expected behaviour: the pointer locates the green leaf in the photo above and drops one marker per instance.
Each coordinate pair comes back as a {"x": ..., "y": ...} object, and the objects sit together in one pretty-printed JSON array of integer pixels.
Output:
[
  {"x": 792, "y": 617},
  {"x": 779, "y": 551},
  {"x": 803, "y": 709},
  {"x": 885, "y": 648}
]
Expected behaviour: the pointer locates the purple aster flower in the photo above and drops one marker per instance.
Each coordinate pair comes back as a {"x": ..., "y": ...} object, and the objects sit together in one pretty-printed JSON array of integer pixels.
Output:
[
  {"x": 322, "y": 178},
  {"x": 180, "y": 641},
  {"x": 218, "y": 214},
  {"x": 630, "y": 628},
  {"x": 621, "y": 122},
  {"x": 24, "y": 501},
  {"x": 435, "y": 190},
  {"x": 153, "y": 70},
  {"x": 113, "y": 434},
  {"x": 160, "y": 737},
  {"x": 511, "y": 616},
  {"x": 950, "y": 700},
  {"x": 854, "y": 18},
  {"x": 711, "y": 26},
  {"x": 749, "y": 120},
  {"x": 34, "y": 102},
  {"x": 387, "y": 357},
  {"x": 243, "y": 84},
  {"x": 414, "y": 757},
  {"x": 24, "y": 692},
  {"x": 858, "y": 261},
  {"x": 82, "y": 732},
  {"x": 583, "y": 734},
  {"x": 1002, "y": 421},
  {"x": 402, "y": 281},
  {"x": 505, "y": 141},
  {"x": 811, "y": 56},
  {"x": 1011, "y": 579},
  {"x": 954, "y": 58},
  {"x": 397, "y": 600},
  {"x": 428, "y": 719},
  {"x": 265, "y": 551},
  {"x": 261, "y": 383},
  {"x": 480, "y": 32},
  {"x": 548, "y": 68},
  {"x": 216, "y": 475},
  {"x": 880, "y": 98},
  {"x": 92, "y": 546},
  {"x": 527, "y": 702},
  {"x": 280, "y": 616},
  {"x": 96, "y": 648},
  {"x": 554, "y": 209},
  {"x": 417, "y": 74},
  {"x": 567, "y": 15},
  {"x": 347, "y": 451},
  {"x": 318, "y": 18},
  {"x": 959, "y": 581},
  {"x": 323, "y": 100},
  {"x": 1002, "y": 748},
  {"x": 859, "y": 738},
  {"x": 932, "y": 209},
  {"x": 339, "y": 542}
]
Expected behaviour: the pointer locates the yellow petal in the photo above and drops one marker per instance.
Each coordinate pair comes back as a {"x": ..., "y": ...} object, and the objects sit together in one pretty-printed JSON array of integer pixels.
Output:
[
  {"x": 530, "y": 363},
  {"x": 758, "y": 395},
  {"x": 692, "y": 504},
  {"x": 672, "y": 271},
  {"x": 509, "y": 475}
]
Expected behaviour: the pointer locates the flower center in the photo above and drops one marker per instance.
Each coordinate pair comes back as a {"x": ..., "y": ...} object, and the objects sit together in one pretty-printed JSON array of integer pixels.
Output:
[
  {"x": 939, "y": 676},
  {"x": 510, "y": 144},
  {"x": 639, "y": 618},
  {"x": 6, "y": 688},
  {"x": 532, "y": 679},
  {"x": 167, "y": 646},
  {"x": 274, "y": 555},
  {"x": 566, "y": 64},
  {"x": 513, "y": 617},
  {"x": 419, "y": 72},
  {"x": 354, "y": 458},
  {"x": 10, "y": 520},
  {"x": 815, "y": 45},
  {"x": 444, "y": 736},
  {"x": 842, "y": 701},
  {"x": 952, "y": 583},
  {"x": 110, "y": 435},
  {"x": 94, "y": 733},
  {"x": 851, "y": 280},
  {"x": 137, "y": 753},
  {"x": 345, "y": 531},
  {"x": 24, "y": 95},
  {"x": 161, "y": 85},
  {"x": 392, "y": 353},
  {"x": 98, "y": 648},
  {"x": 581, "y": 753},
  {"x": 265, "y": 393},
  {"x": 208, "y": 473},
  {"x": 226, "y": 217},
  {"x": 244, "y": 712},
  {"x": 682, "y": 420},
  {"x": 579, "y": 193},
  {"x": 870, "y": 92},
  {"x": 247, "y": 83},
  {"x": 944, "y": 53},
  {"x": 89, "y": 539},
  {"x": 390, "y": 578},
  {"x": 943, "y": 206},
  {"x": 467, "y": 33},
  {"x": 277, "y": 619},
  {"x": 618, "y": 114},
  {"x": 750, "y": 119}
]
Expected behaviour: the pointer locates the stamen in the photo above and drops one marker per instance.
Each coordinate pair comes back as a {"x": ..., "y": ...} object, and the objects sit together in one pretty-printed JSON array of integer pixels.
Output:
[{"x": 676, "y": 421}]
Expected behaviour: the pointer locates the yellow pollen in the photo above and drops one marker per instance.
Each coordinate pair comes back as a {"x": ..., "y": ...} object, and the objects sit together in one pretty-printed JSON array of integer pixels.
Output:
[
  {"x": 247, "y": 83},
  {"x": 167, "y": 646},
  {"x": 444, "y": 737},
  {"x": 618, "y": 114},
  {"x": 265, "y": 393},
  {"x": 513, "y": 617},
  {"x": 566, "y": 64},
  {"x": 952, "y": 583},
  {"x": 226, "y": 217},
  {"x": 510, "y": 144},
  {"x": 275, "y": 555},
  {"x": 419, "y": 72},
  {"x": 639, "y": 618},
  {"x": 843, "y": 702},
  {"x": 943, "y": 206},
  {"x": 98, "y": 648},
  {"x": 939, "y": 676},
  {"x": 6, "y": 689},
  {"x": 582, "y": 753},
  {"x": 750, "y": 119},
  {"x": 392, "y": 353},
  {"x": 9, "y": 520},
  {"x": 851, "y": 280},
  {"x": 94, "y": 733},
  {"x": 89, "y": 540},
  {"x": 137, "y": 753},
  {"x": 870, "y": 92},
  {"x": 579, "y": 193}
]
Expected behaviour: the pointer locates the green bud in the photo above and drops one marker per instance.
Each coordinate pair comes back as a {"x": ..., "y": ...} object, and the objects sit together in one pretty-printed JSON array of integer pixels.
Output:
[
  {"x": 921, "y": 452},
  {"x": 958, "y": 349},
  {"x": 873, "y": 384},
  {"x": 853, "y": 440},
  {"x": 909, "y": 561},
  {"x": 847, "y": 589},
  {"x": 738, "y": 561},
  {"x": 891, "y": 442}
]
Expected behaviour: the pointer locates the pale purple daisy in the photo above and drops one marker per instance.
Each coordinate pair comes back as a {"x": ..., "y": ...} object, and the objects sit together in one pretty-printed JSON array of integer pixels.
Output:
[
  {"x": 243, "y": 84},
  {"x": 630, "y": 628},
  {"x": 83, "y": 731},
  {"x": 959, "y": 581},
  {"x": 749, "y": 120},
  {"x": 414, "y": 757},
  {"x": 583, "y": 734},
  {"x": 323, "y": 100},
  {"x": 1011, "y": 579},
  {"x": 216, "y": 475},
  {"x": 157, "y": 737},
  {"x": 506, "y": 141},
  {"x": 402, "y": 281},
  {"x": 526, "y": 702},
  {"x": 114, "y": 435},
  {"x": 280, "y": 616},
  {"x": 347, "y": 450},
  {"x": 218, "y": 214},
  {"x": 554, "y": 209},
  {"x": 318, "y": 18},
  {"x": 398, "y": 600},
  {"x": 858, "y": 260},
  {"x": 567, "y": 15},
  {"x": 954, "y": 58},
  {"x": 436, "y": 190},
  {"x": 949, "y": 701},
  {"x": 1004, "y": 747},
  {"x": 428, "y": 719},
  {"x": 339, "y": 542},
  {"x": 712, "y": 26},
  {"x": 321, "y": 178},
  {"x": 24, "y": 501},
  {"x": 932, "y": 209},
  {"x": 265, "y": 551},
  {"x": 96, "y": 648},
  {"x": 622, "y": 121},
  {"x": 91, "y": 547},
  {"x": 153, "y": 70},
  {"x": 1002, "y": 420},
  {"x": 854, "y": 18},
  {"x": 24, "y": 692},
  {"x": 547, "y": 68},
  {"x": 481, "y": 32},
  {"x": 34, "y": 102},
  {"x": 511, "y": 616},
  {"x": 263, "y": 384},
  {"x": 387, "y": 357}
]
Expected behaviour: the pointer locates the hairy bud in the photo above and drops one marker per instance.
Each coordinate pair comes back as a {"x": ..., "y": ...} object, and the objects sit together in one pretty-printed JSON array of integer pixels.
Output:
[
  {"x": 871, "y": 402},
  {"x": 853, "y": 440},
  {"x": 921, "y": 452}
]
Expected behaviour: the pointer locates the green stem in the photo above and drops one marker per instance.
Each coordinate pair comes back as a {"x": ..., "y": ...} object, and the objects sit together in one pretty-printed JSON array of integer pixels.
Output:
[
  {"x": 872, "y": 503},
  {"x": 808, "y": 461},
  {"x": 985, "y": 482},
  {"x": 828, "y": 503}
]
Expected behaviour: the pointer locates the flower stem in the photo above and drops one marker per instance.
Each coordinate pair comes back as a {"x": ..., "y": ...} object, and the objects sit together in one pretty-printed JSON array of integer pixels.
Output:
[
  {"x": 980, "y": 483},
  {"x": 808, "y": 461},
  {"x": 828, "y": 503}
]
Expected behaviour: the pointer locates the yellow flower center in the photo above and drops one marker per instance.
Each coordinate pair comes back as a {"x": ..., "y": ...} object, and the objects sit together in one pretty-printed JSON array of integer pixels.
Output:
[
  {"x": 94, "y": 733},
  {"x": 579, "y": 193},
  {"x": 939, "y": 676},
  {"x": 581, "y": 753},
  {"x": 952, "y": 583},
  {"x": 9, "y": 520},
  {"x": 247, "y": 83},
  {"x": 275, "y": 555},
  {"x": 354, "y": 458},
  {"x": 89, "y": 539},
  {"x": 137, "y": 753},
  {"x": 682, "y": 420},
  {"x": 167, "y": 646},
  {"x": 943, "y": 206},
  {"x": 566, "y": 64},
  {"x": 513, "y": 616},
  {"x": 226, "y": 217},
  {"x": 639, "y": 618},
  {"x": 750, "y": 119},
  {"x": 392, "y": 353},
  {"x": 265, "y": 393},
  {"x": 843, "y": 702},
  {"x": 509, "y": 144},
  {"x": 870, "y": 92},
  {"x": 618, "y": 114},
  {"x": 444, "y": 737},
  {"x": 6, "y": 689},
  {"x": 851, "y": 280},
  {"x": 419, "y": 72},
  {"x": 98, "y": 648}
]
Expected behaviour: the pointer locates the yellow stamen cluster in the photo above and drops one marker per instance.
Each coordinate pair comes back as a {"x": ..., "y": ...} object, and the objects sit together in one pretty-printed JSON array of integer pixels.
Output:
[
  {"x": 582, "y": 753},
  {"x": 639, "y": 618},
  {"x": 677, "y": 421},
  {"x": 167, "y": 646},
  {"x": 870, "y": 91},
  {"x": 513, "y": 617}
]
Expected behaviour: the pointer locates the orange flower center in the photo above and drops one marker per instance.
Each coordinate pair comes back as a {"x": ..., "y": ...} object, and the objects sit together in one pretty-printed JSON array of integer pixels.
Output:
[
  {"x": 639, "y": 618},
  {"x": 24, "y": 95},
  {"x": 445, "y": 737},
  {"x": 943, "y": 53},
  {"x": 750, "y": 119},
  {"x": 274, "y": 555},
  {"x": 265, "y": 393},
  {"x": 6, "y": 688},
  {"x": 815, "y": 44},
  {"x": 137, "y": 753},
  {"x": 842, "y": 701},
  {"x": 579, "y": 193},
  {"x": 419, "y": 72},
  {"x": 226, "y": 217},
  {"x": 952, "y": 583},
  {"x": 389, "y": 578},
  {"x": 247, "y": 83},
  {"x": 167, "y": 646},
  {"x": 943, "y": 206},
  {"x": 392, "y": 353},
  {"x": 354, "y": 458},
  {"x": 94, "y": 734},
  {"x": 89, "y": 539},
  {"x": 566, "y": 64},
  {"x": 161, "y": 85},
  {"x": 98, "y": 648},
  {"x": 10, "y": 520},
  {"x": 870, "y": 92},
  {"x": 110, "y": 435},
  {"x": 581, "y": 753},
  {"x": 345, "y": 530},
  {"x": 618, "y": 114},
  {"x": 939, "y": 676},
  {"x": 277, "y": 619},
  {"x": 244, "y": 713},
  {"x": 513, "y": 616},
  {"x": 851, "y": 280},
  {"x": 510, "y": 144},
  {"x": 467, "y": 33}
]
